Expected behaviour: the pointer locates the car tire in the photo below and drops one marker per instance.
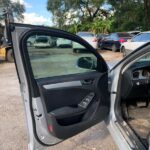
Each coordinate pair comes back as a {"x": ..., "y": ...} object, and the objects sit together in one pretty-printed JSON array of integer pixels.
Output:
[
  {"x": 123, "y": 50},
  {"x": 9, "y": 56},
  {"x": 101, "y": 48},
  {"x": 114, "y": 48}
]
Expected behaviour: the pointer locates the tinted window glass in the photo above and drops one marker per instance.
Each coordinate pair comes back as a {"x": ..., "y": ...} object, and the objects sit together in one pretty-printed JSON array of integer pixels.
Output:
[
  {"x": 114, "y": 36},
  {"x": 59, "y": 57},
  {"x": 42, "y": 40},
  {"x": 87, "y": 34},
  {"x": 137, "y": 38},
  {"x": 124, "y": 35},
  {"x": 145, "y": 37}
]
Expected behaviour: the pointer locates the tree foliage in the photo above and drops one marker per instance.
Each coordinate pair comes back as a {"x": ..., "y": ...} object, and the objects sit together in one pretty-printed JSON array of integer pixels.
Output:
[
  {"x": 89, "y": 15},
  {"x": 80, "y": 10},
  {"x": 16, "y": 8},
  {"x": 128, "y": 14}
]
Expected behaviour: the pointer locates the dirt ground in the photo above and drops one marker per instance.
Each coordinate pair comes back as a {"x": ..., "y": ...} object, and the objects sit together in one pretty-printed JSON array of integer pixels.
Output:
[{"x": 12, "y": 119}]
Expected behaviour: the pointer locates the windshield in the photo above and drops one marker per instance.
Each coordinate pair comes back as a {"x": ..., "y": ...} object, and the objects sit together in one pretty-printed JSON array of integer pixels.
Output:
[
  {"x": 42, "y": 40},
  {"x": 143, "y": 37},
  {"x": 85, "y": 34},
  {"x": 124, "y": 35}
]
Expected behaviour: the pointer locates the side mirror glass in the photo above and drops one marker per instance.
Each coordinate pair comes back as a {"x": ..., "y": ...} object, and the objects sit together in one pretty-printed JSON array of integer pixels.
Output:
[{"x": 87, "y": 63}]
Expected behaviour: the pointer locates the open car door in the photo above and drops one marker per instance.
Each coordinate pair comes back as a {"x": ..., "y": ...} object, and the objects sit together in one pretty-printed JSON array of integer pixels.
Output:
[{"x": 63, "y": 92}]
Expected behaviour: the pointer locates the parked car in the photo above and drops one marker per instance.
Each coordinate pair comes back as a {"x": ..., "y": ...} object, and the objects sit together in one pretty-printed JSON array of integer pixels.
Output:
[
  {"x": 133, "y": 33},
  {"x": 44, "y": 42},
  {"x": 101, "y": 37},
  {"x": 61, "y": 42},
  {"x": 31, "y": 40},
  {"x": 114, "y": 41},
  {"x": 135, "y": 42},
  {"x": 64, "y": 94},
  {"x": 89, "y": 37}
]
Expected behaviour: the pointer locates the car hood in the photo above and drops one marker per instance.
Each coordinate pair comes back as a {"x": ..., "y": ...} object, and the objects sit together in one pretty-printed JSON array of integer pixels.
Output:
[{"x": 132, "y": 45}]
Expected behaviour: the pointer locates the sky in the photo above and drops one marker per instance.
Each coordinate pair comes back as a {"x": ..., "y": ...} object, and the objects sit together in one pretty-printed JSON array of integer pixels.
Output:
[{"x": 36, "y": 12}]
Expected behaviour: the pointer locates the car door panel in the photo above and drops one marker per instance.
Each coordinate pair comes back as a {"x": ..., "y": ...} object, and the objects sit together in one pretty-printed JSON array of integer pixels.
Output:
[
  {"x": 64, "y": 105},
  {"x": 68, "y": 117}
]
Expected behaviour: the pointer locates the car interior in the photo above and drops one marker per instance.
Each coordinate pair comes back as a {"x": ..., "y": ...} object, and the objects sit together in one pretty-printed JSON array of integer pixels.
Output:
[
  {"x": 135, "y": 98},
  {"x": 69, "y": 87}
]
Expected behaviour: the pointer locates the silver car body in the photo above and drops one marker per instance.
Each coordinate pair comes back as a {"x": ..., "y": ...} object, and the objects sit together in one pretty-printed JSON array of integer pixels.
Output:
[{"x": 120, "y": 136}]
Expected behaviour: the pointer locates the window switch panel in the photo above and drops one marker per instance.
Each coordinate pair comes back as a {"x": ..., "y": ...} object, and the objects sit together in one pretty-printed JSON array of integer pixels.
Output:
[{"x": 86, "y": 101}]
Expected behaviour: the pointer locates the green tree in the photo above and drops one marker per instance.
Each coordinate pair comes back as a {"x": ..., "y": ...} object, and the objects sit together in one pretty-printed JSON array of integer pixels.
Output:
[
  {"x": 130, "y": 14},
  {"x": 82, "y": 11},
  {"x": 16, "y": 8},
  {"x": 147, "y": 14}
]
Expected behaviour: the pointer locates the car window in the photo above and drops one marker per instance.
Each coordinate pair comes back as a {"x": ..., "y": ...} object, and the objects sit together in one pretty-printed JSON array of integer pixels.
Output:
[
  {"x": 124, "y": 35},
  {"x": 144, "y": 60},
  {"x": 41, "y": 40},
  {"x": 85, "y": 34},
  {"x": 60, "y": 56},
  {"x": 145, "y": 37},
  {"x": 114, "y": 37},
  {"x": 136, "y": 38}
]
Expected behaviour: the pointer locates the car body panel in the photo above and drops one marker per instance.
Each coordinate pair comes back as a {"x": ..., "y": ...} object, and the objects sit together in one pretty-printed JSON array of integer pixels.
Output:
[
  {"x": 114, "y": 40},
  {"x": 132, "y": 45},
  {"x": 43, "y": 129},
  {"x": 137, "y": 41},
  {"x": 89, "y": 37},
  {"x": 102, "y": 82}
]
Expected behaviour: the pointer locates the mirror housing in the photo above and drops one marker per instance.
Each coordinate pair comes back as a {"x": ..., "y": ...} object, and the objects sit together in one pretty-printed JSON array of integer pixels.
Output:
[{"x": 87, "y": 63}]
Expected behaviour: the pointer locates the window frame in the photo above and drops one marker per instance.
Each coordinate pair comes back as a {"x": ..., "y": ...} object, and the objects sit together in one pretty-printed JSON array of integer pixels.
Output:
[{"x": 102, "y": 66}]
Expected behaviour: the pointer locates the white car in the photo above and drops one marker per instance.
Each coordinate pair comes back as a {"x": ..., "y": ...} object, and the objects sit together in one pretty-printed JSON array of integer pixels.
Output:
[
  {"x": 44, "y": 42},
  {"x": 61, "y": 42},
  {"x": 135, "y": 42},
  {"x": 87, "y": 36}
]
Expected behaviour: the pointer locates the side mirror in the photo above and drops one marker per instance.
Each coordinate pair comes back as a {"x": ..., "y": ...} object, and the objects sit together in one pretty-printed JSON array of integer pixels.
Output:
[
  {"x": 129, "y": 40},
  {"x": 87, "y": 63}
]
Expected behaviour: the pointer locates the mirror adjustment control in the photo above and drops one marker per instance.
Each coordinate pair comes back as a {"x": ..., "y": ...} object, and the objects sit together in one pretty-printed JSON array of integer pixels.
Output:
[{"x": 86, "y": 101}]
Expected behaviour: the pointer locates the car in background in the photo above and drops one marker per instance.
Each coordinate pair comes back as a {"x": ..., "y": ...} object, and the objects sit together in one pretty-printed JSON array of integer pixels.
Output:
[
  {"x": 44, "y": 42},
  {"x": 61, "y": 42},
  {"x": 133, "y": 33},
  {"x": 101, "y": 37},
  {"x": 89, "y": 37},
  {"x": 114, "y": 41},
  {"x": 31, "y": 40},
  {"x": 135, "y": 42}
]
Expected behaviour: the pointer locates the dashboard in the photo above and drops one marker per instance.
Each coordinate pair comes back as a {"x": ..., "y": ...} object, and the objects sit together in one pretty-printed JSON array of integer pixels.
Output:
[
  {"x": 136, "y": 81},
  {"x": 143, "y": 73}
]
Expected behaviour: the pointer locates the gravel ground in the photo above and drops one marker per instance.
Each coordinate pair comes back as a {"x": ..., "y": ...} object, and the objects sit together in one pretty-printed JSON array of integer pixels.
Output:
[{"x": 12, "y": 120}]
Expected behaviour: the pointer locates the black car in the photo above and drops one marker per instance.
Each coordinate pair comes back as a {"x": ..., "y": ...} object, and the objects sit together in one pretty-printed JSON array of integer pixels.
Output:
[
  {"x": 114, "y": 40},
  {"x": 101, "y": 36}
]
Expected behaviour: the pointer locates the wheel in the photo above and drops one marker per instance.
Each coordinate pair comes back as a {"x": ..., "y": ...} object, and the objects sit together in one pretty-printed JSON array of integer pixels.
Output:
[
  {"x": 101, "y": 48},
  {"x": 114, "y": 48},
  {"x": 123, "y": 50},
  {"x": 9, "y": 56}
]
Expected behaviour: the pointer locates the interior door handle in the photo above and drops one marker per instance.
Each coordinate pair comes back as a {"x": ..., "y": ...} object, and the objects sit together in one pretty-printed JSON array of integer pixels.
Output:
[{"x": 87, "y": 82}]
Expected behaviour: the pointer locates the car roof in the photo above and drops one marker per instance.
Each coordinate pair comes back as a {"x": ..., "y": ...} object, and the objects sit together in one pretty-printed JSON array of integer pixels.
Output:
[
  {"x": 146, "y": 32},
  {"x": 85, "y": 32}
]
